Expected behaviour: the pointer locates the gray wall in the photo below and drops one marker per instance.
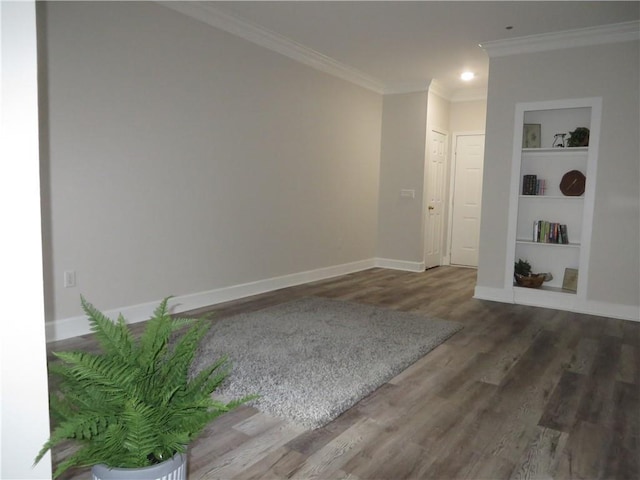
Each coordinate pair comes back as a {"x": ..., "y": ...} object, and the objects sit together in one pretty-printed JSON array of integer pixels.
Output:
[
  {"x": 468, "y": 116},
  {"x": 179, "y": 159},
  {"x": 404, "y": 126},
  {"x": 607, "y": 71}
]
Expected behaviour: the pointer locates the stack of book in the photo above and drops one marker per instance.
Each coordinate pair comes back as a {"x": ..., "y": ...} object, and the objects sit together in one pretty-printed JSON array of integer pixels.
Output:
[
  {"x": 549, "y": 232},
  {"x": 532, "y": 185}
]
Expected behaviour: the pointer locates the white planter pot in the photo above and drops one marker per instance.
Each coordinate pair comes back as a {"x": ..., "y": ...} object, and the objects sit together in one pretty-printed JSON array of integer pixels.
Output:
[{"x": 173, "y": 469}]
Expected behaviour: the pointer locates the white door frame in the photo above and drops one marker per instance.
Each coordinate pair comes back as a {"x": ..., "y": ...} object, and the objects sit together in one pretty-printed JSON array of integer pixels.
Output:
[
  {"x": 452, "y": 185},
  {"x": 445, "y": 132}
]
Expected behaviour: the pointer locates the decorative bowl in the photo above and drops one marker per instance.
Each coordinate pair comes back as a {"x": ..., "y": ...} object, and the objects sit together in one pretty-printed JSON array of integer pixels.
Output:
[{"x": 533, "y": 280}]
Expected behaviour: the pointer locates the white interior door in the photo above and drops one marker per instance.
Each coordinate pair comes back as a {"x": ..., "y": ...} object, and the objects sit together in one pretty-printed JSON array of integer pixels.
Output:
[
  {"x": 436, "y": 166},
  {"x": 467, "y": 197}
]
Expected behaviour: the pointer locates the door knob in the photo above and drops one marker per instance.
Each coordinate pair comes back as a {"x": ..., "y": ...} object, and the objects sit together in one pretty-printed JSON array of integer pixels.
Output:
[{"x": 431, "y": 208}]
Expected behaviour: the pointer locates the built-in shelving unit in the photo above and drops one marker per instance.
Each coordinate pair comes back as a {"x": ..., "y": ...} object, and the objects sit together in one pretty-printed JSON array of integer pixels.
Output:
[{"x": 551, "y": 205}]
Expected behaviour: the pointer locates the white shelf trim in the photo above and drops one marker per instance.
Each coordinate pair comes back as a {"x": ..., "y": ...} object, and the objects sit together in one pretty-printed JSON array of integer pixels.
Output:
[
  {"x": 546, "y": 289},
  {"x": 556, "y": 150},
  {"x": 551, "y": 197},
  {"x": 590, "y": 155},
  {"x": 547, "y": 244}
]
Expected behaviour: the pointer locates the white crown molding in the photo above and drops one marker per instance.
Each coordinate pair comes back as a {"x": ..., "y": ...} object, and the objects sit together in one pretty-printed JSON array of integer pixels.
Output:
[
  {"x": 406, "y": 88},
  {"x": 583, "y": 37},
  {"x": 461, "y": 95},
  {"x": 215, "y": 17},
  {"x": 439, "y": 89},
  {"x": 211, "y": 15}
]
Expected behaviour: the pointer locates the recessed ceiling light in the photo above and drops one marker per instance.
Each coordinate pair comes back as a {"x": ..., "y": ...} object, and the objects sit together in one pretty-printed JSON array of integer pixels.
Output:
[{"x": 466, "y": 76}]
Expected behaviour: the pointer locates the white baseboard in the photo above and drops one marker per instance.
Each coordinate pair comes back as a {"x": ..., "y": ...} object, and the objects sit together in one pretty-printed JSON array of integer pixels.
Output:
[
  {"x": 559, "y": 301},
  {"x": 612, "y": 310},
  {"x": 198, "y": 300},
  {"x": 399, "y": 265},
  {"x": 76, "y": 326},
  {"x": 493, "y": 294}
]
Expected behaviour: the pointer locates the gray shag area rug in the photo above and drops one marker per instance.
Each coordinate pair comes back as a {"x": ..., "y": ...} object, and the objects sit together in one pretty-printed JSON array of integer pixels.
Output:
[{"x": 313, "y": 358}]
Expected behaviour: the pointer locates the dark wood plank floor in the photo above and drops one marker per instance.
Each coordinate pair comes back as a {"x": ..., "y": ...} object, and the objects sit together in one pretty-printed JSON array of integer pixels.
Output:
[{"x": 520, "y": 392}]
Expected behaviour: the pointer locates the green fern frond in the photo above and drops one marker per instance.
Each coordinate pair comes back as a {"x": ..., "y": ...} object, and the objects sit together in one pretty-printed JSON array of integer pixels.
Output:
[
  {"x": 178, "y": 323},
  {"x": 161, "y": 310},
  {"x": 205, "y": 382},
  {"x": 141, "y": 436},
  {"x": 113, "y": 337},
  {"x": 156, "y": 336},
  {"x": 104, "y": 372},
  {"x": 191, "y": 422},
  {"x": 72, "y": 461},
  {"x": 240, "y": 401},
  {"x": 105, "y": 449},
  {"x": 174, "y": 371},
  {"x": 82, "y": 426}
]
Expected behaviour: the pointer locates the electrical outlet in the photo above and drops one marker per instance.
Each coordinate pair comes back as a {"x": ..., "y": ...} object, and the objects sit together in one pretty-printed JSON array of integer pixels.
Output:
[
  {"x": 69, "y": 279},
  {"x": 408, "y": 193}
]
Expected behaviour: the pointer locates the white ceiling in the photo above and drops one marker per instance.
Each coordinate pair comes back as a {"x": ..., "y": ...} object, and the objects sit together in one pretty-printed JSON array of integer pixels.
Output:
[{"x": 406, "y": 44}]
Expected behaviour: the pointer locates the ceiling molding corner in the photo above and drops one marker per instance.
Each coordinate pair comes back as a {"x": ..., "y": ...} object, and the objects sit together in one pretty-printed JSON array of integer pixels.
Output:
[
  {"x": 582, "y": 37},
  {"x": 440, "y": 89},
  {"x": 239, "y": 27}
]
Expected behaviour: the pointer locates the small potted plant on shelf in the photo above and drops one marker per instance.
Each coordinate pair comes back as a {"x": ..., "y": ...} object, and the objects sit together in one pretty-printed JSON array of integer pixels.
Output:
[
  {"x": 133, "y": 407},
  {"x": 579, "y": 137},
  {"x": 525, "y": 278}
]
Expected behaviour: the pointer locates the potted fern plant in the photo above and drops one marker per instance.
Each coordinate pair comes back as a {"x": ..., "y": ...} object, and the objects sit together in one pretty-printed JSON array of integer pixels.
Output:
[{"x": 133, "y": 407}]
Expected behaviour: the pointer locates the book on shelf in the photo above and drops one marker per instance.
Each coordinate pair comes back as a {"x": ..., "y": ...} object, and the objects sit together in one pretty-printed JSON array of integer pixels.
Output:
[
  {"x": 563, "y": 231},
  {"x": 550, "y": 232},
  {"x": 532, "y": 185},
  {"x": 529, "y": 184}
]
